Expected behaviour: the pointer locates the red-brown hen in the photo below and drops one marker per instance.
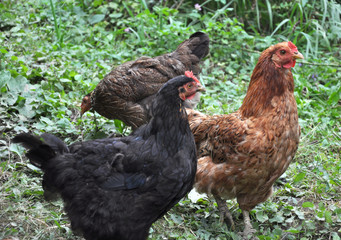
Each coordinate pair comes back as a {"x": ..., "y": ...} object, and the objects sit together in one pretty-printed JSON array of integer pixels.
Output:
[{"x": 241, "y": 155}]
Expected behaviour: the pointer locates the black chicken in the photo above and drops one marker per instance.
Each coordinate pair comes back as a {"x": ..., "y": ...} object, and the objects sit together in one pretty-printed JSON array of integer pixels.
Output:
[
  {"x": 126, "y": 93},
  {"x": 115, "y": 188}
]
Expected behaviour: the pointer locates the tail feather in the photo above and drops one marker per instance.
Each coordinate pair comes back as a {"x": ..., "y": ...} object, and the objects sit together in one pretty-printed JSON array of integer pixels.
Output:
[
  {"x": 201, "y": 48},
  {"x": 197, "y": 44},
  {"x": 42, "y": 148},
  {"x": 55, "y": 143}
]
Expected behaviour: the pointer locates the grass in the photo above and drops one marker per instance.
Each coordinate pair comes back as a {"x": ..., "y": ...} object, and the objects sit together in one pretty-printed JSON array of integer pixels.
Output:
[{"x": 54, "y": 52}]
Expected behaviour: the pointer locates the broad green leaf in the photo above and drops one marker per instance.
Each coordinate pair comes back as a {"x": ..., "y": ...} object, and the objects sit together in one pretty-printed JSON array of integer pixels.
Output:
[
  {"x": 261, "y": 216},
  {"x": 78, "y": 77},
  {"x": 96, "y": 18},
  {"x": 299, "y": 177},
  {"x": 308, "y": 205},
  {"x": 337, "y": 211},
  {"x": 10, "y": 98},
  {"x": 3, "y": 50},
  {"x": 16, "y": 148},
  {"x": 335, "y": 236},
  {"x": 5, "y": 76},
  {"x": 17, "y": 84},
  {"x": 115, "y": 15},
  {"x": 176, "y": 218},
  {"x": 27, "y": 111},
  {"x": 322, "y": 206},
  {"x": 277, "y": 218},
  {"x": 299, "y": 214},
  {"x": 14, "y": 58},
  {"x": 46, "y": 120},
  {"x": 63, "y": 123},
  {"x": 20, "y": 129}
]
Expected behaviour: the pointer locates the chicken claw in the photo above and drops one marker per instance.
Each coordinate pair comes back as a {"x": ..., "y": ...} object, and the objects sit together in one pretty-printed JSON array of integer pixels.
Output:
[
  {"x": 225, "y": 215},
  {"x": 249, "y": 231}
]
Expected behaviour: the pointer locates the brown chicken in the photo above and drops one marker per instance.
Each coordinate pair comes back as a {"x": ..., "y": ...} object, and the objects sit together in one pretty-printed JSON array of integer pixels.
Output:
[
  {"x": 127, "y": 92},
  {"x": 241, "y": 155}
]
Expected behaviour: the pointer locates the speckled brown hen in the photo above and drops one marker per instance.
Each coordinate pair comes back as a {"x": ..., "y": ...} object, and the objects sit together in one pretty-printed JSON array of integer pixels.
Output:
[
  {"x": 127, "y": 92},
  {"x": 240, "y": 155}
]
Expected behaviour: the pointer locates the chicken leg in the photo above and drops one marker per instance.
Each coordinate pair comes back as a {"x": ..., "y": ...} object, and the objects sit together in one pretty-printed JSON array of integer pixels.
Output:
[
  {"x": 225, "y": 214},
  {"x": 249, "y": 231}
]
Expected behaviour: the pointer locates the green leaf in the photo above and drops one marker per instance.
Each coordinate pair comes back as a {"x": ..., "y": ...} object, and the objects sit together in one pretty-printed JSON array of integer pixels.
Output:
[
  {"x": 335, "y": 96},
  {"x": 20, "y": 129},
  {"x": 261, "y": 217},
  {"x": 308, "y": 205},
  {"x": 176, "y": 218},
  {"x": 65, "y": 80},
  {"x": 115, "y": 15},
  {"x": 293, "y": 231},
  {"x": 96, "y": 18},
  {"x": 14, "y": 58},
  {"x": 17, "y": 84},
  {"x": 335, "y": 236},
  {"x": 34, "y": 168},
  {"x": 10, "y": 98},
  {"x": 277, "y": 218},
  {"x": 279, "y": 26},
  {"x": 2, "y": 50},
  {"x": 78, "y": 77},
  {"x": 299, "y": 214},
  {"x": 119, "y": 125},
  {"x": 97, "y": 3},
  {"x": 16, "y": 148},
  {"x": 299, "y": 177},
  {"x": 27, "y": 111},
  {"x": 5, "y": 76},
  {"x": 328, "y": 216},
  {"x": 321, "y": 206},
  {"x": 46, "y": 120}
]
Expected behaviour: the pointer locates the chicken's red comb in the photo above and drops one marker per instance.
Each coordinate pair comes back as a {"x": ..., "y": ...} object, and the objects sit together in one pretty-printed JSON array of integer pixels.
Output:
[
  {"x": 292, "y": 46},
  {"x": 191, "y": 75}
]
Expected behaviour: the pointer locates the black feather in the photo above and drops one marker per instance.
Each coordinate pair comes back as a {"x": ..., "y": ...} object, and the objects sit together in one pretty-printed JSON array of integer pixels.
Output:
[
  {"x": 115, "y": 188},
  {"x": 39, "y": 151},
  {"x": 201, "y": 50}
]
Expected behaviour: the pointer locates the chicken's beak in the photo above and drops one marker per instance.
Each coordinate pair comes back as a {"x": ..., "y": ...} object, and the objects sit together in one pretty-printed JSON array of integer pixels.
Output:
[
  {"x": 82, "y": 112},
  {"x": 298, "y": 55},
  {"x": 86, "y": 104},
  {"x": 200, "y": 88},
  {"x": 84, "y": 108}
]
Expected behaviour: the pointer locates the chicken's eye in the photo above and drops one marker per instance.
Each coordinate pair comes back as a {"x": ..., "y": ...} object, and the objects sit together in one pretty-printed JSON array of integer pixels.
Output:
[
  {"x": 189, "y": 86},
  {"x": 282, "y": 52}
]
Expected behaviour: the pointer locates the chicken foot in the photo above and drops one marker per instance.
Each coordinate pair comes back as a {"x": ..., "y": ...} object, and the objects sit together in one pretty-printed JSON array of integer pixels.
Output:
[
  {"x": 249, "y": 231},
  {"x": 225, "y": 215}
]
